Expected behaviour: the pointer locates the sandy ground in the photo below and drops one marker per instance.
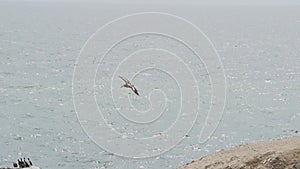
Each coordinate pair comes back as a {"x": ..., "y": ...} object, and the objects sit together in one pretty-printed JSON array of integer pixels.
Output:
[{"x": 276, "y": 154}]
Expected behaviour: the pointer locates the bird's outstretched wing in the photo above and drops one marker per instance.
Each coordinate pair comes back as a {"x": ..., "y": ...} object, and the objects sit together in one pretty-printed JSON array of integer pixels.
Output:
[
  {"x": 129, "y": 85},
  {"x": 125, "y": 80}
]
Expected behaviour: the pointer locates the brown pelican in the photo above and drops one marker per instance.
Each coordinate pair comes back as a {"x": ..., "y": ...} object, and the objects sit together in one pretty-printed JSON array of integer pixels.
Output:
[{"x": 129, "y": 85}]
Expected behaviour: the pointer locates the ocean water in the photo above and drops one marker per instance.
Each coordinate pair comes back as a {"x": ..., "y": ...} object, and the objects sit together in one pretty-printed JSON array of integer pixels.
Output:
[{"x": 39, "y": 47}]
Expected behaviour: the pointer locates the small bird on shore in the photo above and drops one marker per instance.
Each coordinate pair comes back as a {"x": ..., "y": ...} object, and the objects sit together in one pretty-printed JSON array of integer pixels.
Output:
[
  {"x": 15, "y": 165},
  {"x": 128, "y": 84},
  {"x": 30, "y": 163},
  {"x": 21, "y": 163},
  {"x": 25, "y": 163}
]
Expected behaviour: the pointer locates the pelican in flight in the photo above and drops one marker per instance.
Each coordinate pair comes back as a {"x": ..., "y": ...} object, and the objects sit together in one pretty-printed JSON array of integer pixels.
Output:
[{"x": 129, "y": 85}]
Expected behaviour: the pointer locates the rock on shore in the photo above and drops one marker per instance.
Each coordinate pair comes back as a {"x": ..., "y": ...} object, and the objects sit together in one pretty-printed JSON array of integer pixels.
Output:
[{"x": 275, "y": 154}]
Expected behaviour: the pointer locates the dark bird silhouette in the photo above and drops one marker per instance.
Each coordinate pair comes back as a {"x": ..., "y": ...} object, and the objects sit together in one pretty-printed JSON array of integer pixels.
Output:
[
  {"x": 128, "y": 84},
  {"x": 15, "y": 165},
  {"x": 30, "y": 163},
  {"x": 25, "y": 163},
  {"x": 21, "y": 163}
]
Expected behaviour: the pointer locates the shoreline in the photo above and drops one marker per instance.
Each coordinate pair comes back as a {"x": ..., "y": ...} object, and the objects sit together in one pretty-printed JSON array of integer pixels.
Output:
[{"x": 275, "y": 154}]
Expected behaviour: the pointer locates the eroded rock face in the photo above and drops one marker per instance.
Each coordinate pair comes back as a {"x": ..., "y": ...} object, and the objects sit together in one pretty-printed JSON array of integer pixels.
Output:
[
  {"x": 277, "y": 154},
  {"x": 275, "y": 160}
]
